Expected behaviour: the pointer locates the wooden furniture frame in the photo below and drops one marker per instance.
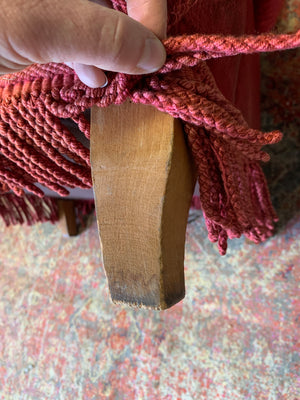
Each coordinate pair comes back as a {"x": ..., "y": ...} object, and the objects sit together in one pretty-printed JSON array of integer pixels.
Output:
[{"x": 143, "y": 181}]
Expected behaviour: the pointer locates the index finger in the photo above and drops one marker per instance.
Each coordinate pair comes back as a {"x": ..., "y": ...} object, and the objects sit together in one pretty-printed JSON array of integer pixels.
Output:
[{"x": 151, "y": 13}]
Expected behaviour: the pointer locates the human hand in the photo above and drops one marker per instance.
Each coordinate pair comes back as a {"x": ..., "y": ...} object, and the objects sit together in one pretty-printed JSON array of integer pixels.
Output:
[{"x": 88, "y": 36}]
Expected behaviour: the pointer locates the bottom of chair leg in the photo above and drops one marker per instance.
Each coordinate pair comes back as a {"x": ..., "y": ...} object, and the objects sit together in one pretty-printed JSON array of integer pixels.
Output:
[{"x": 149, "y": 304}]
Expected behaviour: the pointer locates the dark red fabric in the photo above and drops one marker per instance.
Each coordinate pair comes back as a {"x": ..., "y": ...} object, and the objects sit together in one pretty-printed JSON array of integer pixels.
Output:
[
  {"x": 266, "y": 13},
  {"x": 235, "y": 76}
]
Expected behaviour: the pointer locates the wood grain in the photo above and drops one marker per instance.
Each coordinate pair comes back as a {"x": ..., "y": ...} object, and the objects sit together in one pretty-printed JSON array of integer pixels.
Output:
[{"x": 143, "y": 184}]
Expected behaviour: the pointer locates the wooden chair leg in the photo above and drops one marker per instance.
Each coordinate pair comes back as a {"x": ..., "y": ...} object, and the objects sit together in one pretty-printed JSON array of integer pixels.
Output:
[
  {"x": 143, "y": 182},
  {"x": 67, "y": 217}
]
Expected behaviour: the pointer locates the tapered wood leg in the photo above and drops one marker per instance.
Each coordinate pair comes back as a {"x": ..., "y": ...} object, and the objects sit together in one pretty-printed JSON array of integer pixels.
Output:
[
  {"x": 143, "y": 184},
  {"x": 67, "y": 217}
]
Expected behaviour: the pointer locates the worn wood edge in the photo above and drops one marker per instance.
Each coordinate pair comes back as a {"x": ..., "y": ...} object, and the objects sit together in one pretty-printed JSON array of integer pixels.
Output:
[
  {"x": 174, "y": 190},
  {"x": 163, "y": 305}
]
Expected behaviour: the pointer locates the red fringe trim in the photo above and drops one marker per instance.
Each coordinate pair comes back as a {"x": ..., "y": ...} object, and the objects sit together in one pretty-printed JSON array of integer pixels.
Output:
[
  {"x": 27, "y": 209},
  {"x": 30, "y": 209}
]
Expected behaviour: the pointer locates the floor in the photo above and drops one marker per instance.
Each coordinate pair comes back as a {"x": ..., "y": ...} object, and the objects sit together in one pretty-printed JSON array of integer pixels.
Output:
[{"x": 235, "y": 336}]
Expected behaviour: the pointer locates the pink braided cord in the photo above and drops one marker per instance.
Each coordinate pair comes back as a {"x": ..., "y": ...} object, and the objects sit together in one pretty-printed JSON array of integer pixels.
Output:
[
  {"x": 189, "y": 49},
  {"x": 36, "y": 146}
]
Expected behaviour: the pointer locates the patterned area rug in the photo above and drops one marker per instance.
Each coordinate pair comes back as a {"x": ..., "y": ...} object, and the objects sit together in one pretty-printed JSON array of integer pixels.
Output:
[{"x": 234, "y": 337}]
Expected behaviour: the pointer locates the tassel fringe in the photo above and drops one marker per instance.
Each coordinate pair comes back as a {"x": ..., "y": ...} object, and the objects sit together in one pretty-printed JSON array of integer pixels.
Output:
[
  {"x": 27, "y": 209},
  {"x": 35, "y": 146}
]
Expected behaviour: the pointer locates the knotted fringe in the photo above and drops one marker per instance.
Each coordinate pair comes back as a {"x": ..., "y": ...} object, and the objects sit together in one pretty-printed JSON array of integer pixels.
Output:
[{"x": 35, "y": 145}]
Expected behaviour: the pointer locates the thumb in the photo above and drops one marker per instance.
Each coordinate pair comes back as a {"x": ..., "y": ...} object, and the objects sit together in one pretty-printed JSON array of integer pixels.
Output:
[
  {"x": 83, "y": 32},
  {"x": 151, "y": 13}
]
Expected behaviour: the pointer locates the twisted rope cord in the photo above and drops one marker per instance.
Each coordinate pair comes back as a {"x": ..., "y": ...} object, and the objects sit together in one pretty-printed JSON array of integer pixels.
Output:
[
  {"x": 189, "y": 49},
  {"x": 34, "y": 143}
]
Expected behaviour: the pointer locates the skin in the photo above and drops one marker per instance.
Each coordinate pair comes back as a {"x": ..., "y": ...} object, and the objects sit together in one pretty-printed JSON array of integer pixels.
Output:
[{"x": 86, "y": 35}]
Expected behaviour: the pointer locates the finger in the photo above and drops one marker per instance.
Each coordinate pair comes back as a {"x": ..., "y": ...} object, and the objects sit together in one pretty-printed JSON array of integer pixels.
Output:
[
  {"x": 150, "y": 13},
  {"x": 90, "y": 75},
  {"x": 87, "y": 33},
  {"x": 9, "y": 66}
]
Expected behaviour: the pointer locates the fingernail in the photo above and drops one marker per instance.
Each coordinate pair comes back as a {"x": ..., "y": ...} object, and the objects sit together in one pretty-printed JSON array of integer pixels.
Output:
[
  {"x": 105, "y": 83},
  {"x": 153, "y": 57}
]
